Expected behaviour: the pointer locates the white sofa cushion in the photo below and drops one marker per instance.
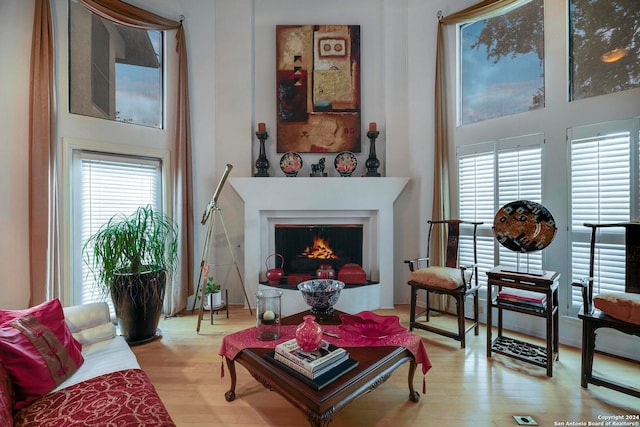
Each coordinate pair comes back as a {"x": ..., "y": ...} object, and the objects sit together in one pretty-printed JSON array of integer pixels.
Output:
[{"x": 102, "y": 349}]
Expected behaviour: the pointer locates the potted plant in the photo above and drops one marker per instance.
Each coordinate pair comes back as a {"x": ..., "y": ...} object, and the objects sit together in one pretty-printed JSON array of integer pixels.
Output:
[
  {"x": 131, "y": 257},
  {"x": 212, "y": 290}
]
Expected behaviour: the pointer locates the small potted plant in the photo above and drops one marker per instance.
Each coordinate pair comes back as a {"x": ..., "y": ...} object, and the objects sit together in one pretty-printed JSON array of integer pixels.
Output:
[{"x": 212, "y": 290}]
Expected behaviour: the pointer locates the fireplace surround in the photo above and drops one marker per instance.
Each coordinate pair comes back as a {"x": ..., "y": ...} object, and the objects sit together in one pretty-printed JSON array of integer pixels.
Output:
[{"x": 366, "y": 202}]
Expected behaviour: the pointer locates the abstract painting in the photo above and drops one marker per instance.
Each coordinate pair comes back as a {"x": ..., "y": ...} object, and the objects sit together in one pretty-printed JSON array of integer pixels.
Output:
[{"x": 318, "y": 88}]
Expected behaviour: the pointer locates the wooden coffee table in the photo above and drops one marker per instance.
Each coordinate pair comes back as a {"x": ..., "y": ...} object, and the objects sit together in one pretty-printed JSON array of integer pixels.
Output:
[{"x": 376, "y": 364}]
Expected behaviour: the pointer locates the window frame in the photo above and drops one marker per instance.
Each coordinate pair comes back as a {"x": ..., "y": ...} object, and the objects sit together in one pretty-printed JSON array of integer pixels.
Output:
[
  {"x": 69, "y": 147},
  {"x": 610, "y": 240},
  {"x": 485, "y": 231}
]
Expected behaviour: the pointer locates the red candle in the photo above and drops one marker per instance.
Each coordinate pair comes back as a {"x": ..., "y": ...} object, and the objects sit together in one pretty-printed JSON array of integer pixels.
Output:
[
  {"x": 262, "y": 128},
  {"x": 373, "y": 127}
]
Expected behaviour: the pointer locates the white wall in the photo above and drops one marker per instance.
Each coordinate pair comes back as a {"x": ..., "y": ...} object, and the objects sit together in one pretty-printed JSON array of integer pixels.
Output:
[{"x": 16, "y": 21}]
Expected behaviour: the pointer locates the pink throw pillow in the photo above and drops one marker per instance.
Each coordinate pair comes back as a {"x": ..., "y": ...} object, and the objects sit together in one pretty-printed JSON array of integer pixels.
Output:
[{"x": 37, "y": 350}]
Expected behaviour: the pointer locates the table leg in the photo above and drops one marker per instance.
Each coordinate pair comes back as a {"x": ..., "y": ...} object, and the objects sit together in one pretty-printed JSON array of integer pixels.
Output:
[
  {"x": 489, "y": 317},
  {"x": 414, "y": 396},
  {"x": 231, "y": 394},
  {"x": 550, "y": 338}
]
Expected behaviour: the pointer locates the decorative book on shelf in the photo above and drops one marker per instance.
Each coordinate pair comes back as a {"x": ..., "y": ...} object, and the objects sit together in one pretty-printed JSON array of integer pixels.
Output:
[
  {"x": 313, "y": 361},
  {"x": 522, "y": 298},
  {"x": 320, "y": 381}
]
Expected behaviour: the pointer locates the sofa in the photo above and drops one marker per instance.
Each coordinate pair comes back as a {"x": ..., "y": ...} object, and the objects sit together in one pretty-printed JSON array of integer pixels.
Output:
[{"x": 68, "y": 367}]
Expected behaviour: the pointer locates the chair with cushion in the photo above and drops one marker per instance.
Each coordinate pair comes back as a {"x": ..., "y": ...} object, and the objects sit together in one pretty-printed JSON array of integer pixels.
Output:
[
  {"x": 452, "y": 279},
  {"x": 619, "y": 311}
]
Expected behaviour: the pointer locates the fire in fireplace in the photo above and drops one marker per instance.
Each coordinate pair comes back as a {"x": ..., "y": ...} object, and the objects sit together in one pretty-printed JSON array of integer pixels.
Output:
[{"x": 305, "y": 247}]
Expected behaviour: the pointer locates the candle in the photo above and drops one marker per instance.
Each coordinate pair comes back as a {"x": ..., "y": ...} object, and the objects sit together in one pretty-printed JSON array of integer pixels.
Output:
[
  {"x": 269, "y": 316},
  {"x": 373, "y": 127},
  {"x": 262, "y": 128}
]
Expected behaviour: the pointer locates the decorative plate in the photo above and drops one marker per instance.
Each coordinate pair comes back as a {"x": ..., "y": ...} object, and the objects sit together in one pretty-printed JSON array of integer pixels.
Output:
[
  {"x": 291, "y": 163},
  {"x": 345, "y": 163},
  {"x": 524, "y": 226},
  {"x": 371, "y": 325}
]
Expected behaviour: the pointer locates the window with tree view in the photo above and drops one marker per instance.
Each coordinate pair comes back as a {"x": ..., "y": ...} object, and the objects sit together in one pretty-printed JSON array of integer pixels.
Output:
[
  {"x": 604, "y": 47},
  {"x": 502, "y": 67}
]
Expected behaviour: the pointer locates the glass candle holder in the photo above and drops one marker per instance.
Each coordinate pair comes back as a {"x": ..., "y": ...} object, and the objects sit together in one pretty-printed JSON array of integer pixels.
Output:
[{"x": 268, "y": 304}]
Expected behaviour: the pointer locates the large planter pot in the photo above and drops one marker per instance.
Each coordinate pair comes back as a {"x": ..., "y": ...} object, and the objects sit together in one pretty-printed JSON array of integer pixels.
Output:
[{"x": 138, "y": 299}]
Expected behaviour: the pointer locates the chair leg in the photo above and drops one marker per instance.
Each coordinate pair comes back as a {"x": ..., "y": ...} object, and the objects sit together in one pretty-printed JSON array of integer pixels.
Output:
[
  {"x": 588, "y": 348},
  {"x": 475, "y": 313},
  {"x": 428, "y": 307},
  {"x": 460, "y": 312},
  {"x": 412, "y": 312}
]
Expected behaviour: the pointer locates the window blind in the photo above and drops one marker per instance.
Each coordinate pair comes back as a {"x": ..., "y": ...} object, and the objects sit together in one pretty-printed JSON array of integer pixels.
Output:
[
  {"x": 602, "y": 188},
  {"x": 503, "y": 172},
  {"x": 105, "y": 185}
]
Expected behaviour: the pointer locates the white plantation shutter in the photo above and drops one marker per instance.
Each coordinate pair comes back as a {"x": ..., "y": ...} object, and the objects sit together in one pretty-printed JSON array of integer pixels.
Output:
[
  {"x": 489, "y": 176},
  {"x": 105, "y": 185},
  {"x": 476, "y": 203},
  {"x": 520, "y": 178},
  {"x": 604, "y": 189}
]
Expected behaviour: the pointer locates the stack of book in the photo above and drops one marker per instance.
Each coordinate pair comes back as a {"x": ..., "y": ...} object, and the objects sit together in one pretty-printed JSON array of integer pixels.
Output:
[
  {"x": 523, "y": 299},
  {"x": 317, "y": 368}
]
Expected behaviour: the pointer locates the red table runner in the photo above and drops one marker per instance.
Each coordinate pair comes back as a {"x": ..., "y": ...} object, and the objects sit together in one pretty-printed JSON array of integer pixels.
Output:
[{"x": 234, "y": 343}]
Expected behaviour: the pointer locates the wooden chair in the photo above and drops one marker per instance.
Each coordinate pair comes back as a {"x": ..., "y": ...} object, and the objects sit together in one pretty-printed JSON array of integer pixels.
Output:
[
  {"x": 617, "y": 311},
  {"x": 452, "y": 279}
]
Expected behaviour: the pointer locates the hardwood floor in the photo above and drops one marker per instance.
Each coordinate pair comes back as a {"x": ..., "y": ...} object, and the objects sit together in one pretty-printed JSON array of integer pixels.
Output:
[{"x": 464, "y": 388}]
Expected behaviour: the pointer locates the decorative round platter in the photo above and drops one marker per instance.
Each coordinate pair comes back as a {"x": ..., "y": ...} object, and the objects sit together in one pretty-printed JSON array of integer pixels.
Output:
[
  {"x": 291, "y": 163},
  {"x": 345, "y": 163},
  {"x": 524, "y": 226}
]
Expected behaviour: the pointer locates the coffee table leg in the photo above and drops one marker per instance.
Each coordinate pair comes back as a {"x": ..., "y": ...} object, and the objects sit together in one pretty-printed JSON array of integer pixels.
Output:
[
  {"x": 414, "y": 396},
  {"x": 231, "y": 394}
]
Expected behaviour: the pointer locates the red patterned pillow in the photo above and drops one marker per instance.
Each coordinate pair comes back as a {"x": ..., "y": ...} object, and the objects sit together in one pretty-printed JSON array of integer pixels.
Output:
[
  {"x": 37, "y": 350},
  {"x": 6, "y": 398}
]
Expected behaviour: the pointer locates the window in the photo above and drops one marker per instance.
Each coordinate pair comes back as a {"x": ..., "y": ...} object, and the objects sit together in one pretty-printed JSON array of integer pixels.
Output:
[
  {"x": 604, "y": 47},
  {"x": 115, "y": 72},
  {"x": 104, "y": 185},
  {"x": 604, "y": 189},
  {"x": 502, "y": 64},
  {"x": 491, "y": 175}
]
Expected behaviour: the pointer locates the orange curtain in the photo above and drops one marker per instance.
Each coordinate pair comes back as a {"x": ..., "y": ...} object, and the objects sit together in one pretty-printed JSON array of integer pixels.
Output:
[
  {"x": 441, "y": 196},
  {"x": 43, "y": 236},
  {"x": 128, "y": 15}
]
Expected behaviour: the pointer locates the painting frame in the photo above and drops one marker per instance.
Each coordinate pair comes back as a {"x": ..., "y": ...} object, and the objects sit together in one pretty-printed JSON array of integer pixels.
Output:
[{"x": 318, "y": 88}]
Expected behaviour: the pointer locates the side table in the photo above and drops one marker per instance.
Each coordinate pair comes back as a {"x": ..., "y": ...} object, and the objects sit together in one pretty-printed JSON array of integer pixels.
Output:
[{"x": 546, "y": 283}]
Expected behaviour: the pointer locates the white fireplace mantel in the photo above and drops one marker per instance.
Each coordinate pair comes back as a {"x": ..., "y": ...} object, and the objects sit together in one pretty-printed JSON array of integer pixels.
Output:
[{"x": 326, "y": 199}]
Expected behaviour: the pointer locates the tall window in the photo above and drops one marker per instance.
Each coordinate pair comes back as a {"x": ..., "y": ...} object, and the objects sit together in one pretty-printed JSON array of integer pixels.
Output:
[
  {"x": 604, "y": 189},
  {"x": 104, "y": 185},
  {"x": 502, "y": 64},
  {"x": 491, "y": 175},
  {"x": 604, "y": 46},
  {"x": 115, "y": 72}
]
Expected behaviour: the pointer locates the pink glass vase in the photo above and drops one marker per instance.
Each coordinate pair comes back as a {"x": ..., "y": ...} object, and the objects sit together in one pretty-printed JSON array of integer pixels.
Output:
[{"x": 309, "y": 334}]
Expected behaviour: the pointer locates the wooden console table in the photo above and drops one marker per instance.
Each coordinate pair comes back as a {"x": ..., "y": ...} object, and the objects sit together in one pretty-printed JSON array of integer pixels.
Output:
[{"x": 546, "y": 283}]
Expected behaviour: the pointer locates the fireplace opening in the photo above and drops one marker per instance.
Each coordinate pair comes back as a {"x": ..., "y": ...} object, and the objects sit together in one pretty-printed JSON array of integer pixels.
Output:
[{"x": 306, "y": 247}]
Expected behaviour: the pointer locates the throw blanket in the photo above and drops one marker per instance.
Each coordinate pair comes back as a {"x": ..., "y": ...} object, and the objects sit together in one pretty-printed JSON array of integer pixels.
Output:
[
  {"x": 232, "y": 344},
  {"x": 123, "y": 398}
]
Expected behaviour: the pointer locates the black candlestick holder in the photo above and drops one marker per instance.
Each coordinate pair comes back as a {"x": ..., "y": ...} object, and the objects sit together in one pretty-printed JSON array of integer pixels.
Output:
[
  {"x": 372, "y": 164},
  {"x": 262, "y": 163}
]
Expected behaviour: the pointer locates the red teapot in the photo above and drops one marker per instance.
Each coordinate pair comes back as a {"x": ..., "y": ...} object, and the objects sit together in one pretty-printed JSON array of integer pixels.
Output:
[{"x": 274, "y": 275}]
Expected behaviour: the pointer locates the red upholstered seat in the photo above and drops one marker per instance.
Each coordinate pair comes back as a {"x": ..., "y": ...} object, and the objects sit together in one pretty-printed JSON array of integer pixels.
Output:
[
  {"x": 624, "y": 307},
  {"x": 122, "y": 398}
]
